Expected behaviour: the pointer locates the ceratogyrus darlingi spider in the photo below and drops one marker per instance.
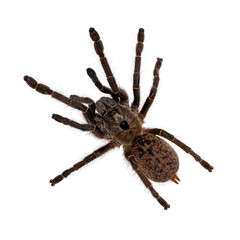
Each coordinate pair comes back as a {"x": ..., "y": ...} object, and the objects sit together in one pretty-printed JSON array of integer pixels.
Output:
[{"x": 113, "y": 119}]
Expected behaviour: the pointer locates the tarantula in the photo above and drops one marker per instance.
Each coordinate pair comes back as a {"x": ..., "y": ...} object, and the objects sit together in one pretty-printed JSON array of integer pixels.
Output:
[{"x": 113, "y": 119}]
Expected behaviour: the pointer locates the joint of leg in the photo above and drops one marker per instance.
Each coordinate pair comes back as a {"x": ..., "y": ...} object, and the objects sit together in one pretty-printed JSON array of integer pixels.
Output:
[
  {"x": 85, "y": 111},
  {"x": 110, "y": 76},
  {"x": 150, "y": 186},
  {"x": 173, "y": 139},
  {"x": 160, "y": 132},
  {"x": 112, "y": 144},
  {"x": 116, "y": 91},
  {"x": 151, "y": 99},
  {"x": 130, "y": 156},
  {"x": 102, "y": 57},
  {"x": 73, "y": 167},
  {"x": 190, "y": 150},
  {"x": 136, "y": 88},
  {"x": 137, "y": 170},
  {"x": 138, "y": 56}
]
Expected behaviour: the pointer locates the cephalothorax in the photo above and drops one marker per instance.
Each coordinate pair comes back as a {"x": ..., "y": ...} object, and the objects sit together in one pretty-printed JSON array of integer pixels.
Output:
[{"x": 113, "y": 119}]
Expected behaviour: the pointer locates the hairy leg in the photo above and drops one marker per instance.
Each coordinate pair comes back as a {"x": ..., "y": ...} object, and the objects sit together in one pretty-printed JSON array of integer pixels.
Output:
[
  {"x": 90, "y": 115},
  {"x": 98, "y": 45},
  {"x": 89, "y": 101},
  {"x": 71, "y": 123},
  {"x": 73, "y": 101},
  {"x": 43, "y": 89},
  {"x": 136, "y": 75},
  {"x": 147, "y": 183},
  {"x": 187, "y": 149},
  {"x": 85, "y": 161},
  {"x": 92, "y": 74},
  {"x": 153, "y": 91}
]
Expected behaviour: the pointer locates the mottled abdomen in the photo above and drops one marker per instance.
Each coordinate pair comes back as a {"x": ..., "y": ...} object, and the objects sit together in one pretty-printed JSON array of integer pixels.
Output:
[{"x": 155, "y": 157}]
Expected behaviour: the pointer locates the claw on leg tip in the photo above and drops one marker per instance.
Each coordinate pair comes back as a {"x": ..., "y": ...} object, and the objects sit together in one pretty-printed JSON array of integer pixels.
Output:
[{"x": 52, "y": 183}]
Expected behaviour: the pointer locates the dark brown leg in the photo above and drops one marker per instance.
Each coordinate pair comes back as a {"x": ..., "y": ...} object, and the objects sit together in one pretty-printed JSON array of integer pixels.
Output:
[
  {"x": 89, "y": 113},
  {"x": 187, "y": 149},
  {"x": 89, "y": 101},
  {"x": 153, "y": 91},
  {"x": 136, "y": 75},
  {"x": 70, "y": 102},
  {"x": 41, "y": 88},
  {"x": 147, "y": 183},
  {"x": 91, "y": 73},
  {"x": 66, "y": 121},
  {"x": 73, "y": 101},
  {"x": 98, "y": 45},
  {"x": 85, "y": 161}
]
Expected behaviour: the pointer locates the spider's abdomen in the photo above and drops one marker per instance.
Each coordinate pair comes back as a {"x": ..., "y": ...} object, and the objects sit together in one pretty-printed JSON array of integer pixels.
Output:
[{"x": 155, "y": 157}]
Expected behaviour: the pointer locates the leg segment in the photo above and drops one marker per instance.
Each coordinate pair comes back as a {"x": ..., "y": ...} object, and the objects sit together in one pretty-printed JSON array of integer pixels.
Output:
[
  {"x": 91, "y": 73},
  {"x": 153, "y": 91},
  {"x": 187, "y": 149},
  {"x": 66, "y": 121},
  {"x": 76, "y": 102},
  {"x": 147, "y": 183},
  {"x": 41, "y": 88},
  {"x": 85, "y": 161},
  {"x": 46, "y": 90},
  {"x": 98, "y": 45},
  {"x": 89, "y": 101},
  {"x": 89, "y": 114},
  {"x": 136, "y": 75},
  {"x": 72, "y": 101}
]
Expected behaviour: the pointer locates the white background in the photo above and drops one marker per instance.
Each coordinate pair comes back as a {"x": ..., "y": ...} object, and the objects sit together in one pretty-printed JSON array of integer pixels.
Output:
[{"x": 197, "y": 101}]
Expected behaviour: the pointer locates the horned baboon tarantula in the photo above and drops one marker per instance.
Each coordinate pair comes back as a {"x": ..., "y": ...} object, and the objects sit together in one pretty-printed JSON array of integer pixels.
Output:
[{"x": 151, "y": 157}]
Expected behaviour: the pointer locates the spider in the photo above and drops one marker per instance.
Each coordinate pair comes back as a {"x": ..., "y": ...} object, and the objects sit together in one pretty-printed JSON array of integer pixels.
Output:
[{"x": 112, "y": 118}]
